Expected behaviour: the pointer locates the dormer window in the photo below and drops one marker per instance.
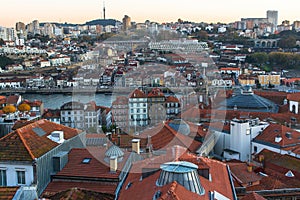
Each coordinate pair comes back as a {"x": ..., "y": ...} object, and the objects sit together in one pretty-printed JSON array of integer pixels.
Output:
[{"x": 86, "y": 160}]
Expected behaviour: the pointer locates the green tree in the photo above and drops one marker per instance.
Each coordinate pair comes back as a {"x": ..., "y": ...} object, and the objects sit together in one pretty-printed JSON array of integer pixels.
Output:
[
  {"x": 257, "y": 58},
  {"x": 5, "y": 61},
  {"x": 287, "y": 42}
]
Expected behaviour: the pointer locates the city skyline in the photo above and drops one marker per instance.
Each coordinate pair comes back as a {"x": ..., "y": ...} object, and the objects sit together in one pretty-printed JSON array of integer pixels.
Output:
[{"x": 166, "y": 11}]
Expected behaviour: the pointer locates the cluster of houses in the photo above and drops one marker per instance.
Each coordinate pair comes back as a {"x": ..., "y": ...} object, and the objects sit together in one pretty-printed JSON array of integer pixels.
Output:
[{"x": 236, "y": 150}]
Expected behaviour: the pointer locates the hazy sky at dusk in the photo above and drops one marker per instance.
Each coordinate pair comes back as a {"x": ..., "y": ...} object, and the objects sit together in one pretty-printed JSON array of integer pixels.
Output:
[{"x": 80, "y": 11}]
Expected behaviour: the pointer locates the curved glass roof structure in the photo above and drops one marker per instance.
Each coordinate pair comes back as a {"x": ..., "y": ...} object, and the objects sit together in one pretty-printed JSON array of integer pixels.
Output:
[{"x": 248, "y": 101}]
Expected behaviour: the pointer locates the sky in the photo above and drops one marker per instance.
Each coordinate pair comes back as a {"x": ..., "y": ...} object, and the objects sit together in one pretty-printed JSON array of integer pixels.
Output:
[{"x": 80, "y": 11}]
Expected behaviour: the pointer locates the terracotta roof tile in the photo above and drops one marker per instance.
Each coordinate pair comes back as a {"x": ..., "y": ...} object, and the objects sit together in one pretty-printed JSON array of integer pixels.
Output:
[
  {"x": 294, "y": 97},
  {"x": 241, "y": 174},
  {"x": 78, "y": 193},
  {"x": 97, "y": 168},
  {"x": 253, "y": 196},
  {"x": 25, "y": 144},
  {"x": 173, "y": 99},
  {"x": 7, "y": 192},
  {"x": 155, "y": 92},
  {"x": 137, "y": 94},
  {"x": 288, "y": 135},
  {"x": 146, "y": 188}
]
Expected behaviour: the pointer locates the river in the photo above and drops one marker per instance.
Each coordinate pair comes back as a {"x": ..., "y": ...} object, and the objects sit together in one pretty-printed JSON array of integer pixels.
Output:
[{"x": 54, "y": 101}]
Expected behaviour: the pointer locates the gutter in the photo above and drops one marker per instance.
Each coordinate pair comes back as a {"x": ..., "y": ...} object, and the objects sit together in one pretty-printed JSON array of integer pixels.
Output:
[{"x": 231, "y": 183}]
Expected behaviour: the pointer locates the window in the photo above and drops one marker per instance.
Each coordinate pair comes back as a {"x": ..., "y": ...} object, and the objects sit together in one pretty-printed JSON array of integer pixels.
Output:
[
  {"x": 21, "y": 177},
  {"x": 255, "y": 149},
  {"x": 3, "y": 181}
]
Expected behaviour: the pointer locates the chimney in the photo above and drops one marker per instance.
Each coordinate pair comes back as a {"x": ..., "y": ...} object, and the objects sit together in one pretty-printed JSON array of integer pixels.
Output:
[
  {"x": 119, "y": 140},
  {"x": 278, "y": 138},
  {"x": 113, "y": 164},
  {"x": 136, "y": 145},
  {"x": 108, "y": 134},
  {"x": 249, "y": 167}
]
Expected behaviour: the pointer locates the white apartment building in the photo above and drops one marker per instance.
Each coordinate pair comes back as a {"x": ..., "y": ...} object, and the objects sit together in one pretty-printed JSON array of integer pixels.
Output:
[{"x": 138, "y": 108}]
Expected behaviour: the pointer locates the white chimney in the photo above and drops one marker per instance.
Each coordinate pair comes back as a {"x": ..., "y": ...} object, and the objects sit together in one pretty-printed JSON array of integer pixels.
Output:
[
  {"x": 136, "y": 145},
  {"x": 278, "y": 138},
  {"x": 113, "y": 164}
]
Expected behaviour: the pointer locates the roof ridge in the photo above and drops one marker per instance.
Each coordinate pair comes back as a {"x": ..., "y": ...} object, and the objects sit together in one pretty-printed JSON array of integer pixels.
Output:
[{"x": 25, "y": 144}]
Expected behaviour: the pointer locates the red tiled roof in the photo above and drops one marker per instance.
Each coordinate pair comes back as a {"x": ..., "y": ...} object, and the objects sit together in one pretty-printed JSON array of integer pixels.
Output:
[
  {"x": 195, "y": 112},
  {"x": 12, "y": 99},
  {"x": 137, "y": 94},
  {"x": 155, "y": 92},
  {"x": 79, "y": 193},
  {"x": 276, "y": 97},
  {"x": 253, "y": 196},
  {"x": 170, "y": 99},
  {"x": 273, "y": 130},
  {"x": 24, "y": 144},
  {"x": 49, "y": 113},
  {"x": 21, "y": 123},
  {"x": 294, "y": 97},
  {"x": 176, "y": 191},
  {"x": 121, "y": 100},
  {"x": 241, "y": 174},
  {"x": 276, "y": 166},
  {"x": 95, "y": 169},
  {"x": 35, "y": 103},
  {"x": 7, "y": 192},
  {"x": 146, "y": 188}
]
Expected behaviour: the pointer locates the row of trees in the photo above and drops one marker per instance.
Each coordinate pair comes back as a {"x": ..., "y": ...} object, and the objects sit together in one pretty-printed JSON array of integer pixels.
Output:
[
  {"x": 24, "y": 107},
  {"x": 275, "y": 59}
]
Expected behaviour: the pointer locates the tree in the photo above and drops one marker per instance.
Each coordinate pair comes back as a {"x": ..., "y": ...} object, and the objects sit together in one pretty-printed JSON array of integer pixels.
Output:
[
  {"x": 257, "y": 58},
  {"x": 24, "y": 107},
  {"x": 2, "y": 42},
  {"x": 9, "y": 109},
  {"x": 287, "y": 42}
]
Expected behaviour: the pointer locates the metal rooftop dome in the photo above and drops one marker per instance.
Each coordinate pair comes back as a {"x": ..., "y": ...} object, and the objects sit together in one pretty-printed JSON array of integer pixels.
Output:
[
  {"x": 184, "y": 173},
  {"x": 114, "y": 151}
]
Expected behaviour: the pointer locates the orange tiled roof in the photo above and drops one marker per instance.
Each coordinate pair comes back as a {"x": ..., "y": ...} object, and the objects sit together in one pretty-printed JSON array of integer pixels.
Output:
[
  {"x": 95, "y": 169},
  {"x": 137, "y": 94},
  {"x": 7, "y": 192},
  {"x": 294, "y": 97},
  {"x": 155, "y": 92},
  {"x": 76, "y": 193},
  {"x": 24, "y": 144},
  {"x": 172, "y": 99},
  {"x": 273, "y": 130},
  {"x": 12, "y": 99},
  {"x": 146, "y": 188},
  {"x": 253, "y": 196},
  {"x": 241, "y": 174}
]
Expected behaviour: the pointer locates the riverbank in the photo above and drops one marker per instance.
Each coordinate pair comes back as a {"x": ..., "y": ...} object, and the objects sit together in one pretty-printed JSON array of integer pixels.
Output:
[{"x": 85, "y": 90}]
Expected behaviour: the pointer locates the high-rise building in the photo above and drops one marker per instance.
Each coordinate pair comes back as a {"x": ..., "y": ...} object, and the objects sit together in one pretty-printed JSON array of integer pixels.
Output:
[
  {"x": 272, "y": 16},
  {"x": 20, "y": 26},
  {"x": 296, "y": 25},
  {"x": 126, "y": 23}
]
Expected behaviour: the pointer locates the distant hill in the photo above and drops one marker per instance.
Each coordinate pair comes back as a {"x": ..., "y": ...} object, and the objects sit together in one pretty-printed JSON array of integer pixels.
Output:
[{"x": 103, "y": 22}]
